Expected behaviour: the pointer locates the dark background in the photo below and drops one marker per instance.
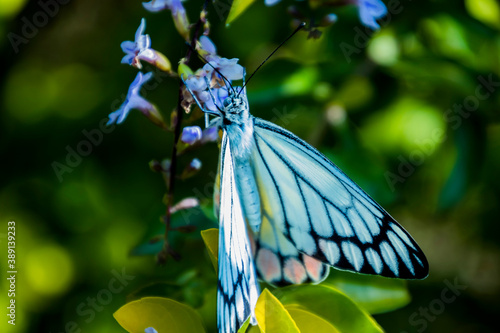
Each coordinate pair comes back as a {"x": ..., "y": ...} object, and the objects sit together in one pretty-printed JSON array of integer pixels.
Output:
[{"x": 385, "y": 112}]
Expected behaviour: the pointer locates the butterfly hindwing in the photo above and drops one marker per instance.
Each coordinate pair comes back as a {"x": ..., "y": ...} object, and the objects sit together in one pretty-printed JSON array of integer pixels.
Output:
[
  {"x": 277, "y": 260},
  {"x": 324, "y": 214},
  {"x": 237, "y": 289}
]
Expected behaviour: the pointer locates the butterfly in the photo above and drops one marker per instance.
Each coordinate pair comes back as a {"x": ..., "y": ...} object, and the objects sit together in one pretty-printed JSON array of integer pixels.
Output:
[{"x": 287, "y": 213}]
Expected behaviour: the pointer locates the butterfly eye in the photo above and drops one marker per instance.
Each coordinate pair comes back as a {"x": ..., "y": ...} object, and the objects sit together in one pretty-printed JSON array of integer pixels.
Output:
[{"x": 227, "y": 102}]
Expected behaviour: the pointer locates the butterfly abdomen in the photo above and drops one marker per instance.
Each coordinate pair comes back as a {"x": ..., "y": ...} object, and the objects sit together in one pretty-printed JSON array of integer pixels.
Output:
[{"x": 250, "y": 199}]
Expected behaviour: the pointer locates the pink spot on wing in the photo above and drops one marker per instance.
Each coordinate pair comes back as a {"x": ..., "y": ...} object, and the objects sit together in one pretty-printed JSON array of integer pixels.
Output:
[
  {"x": 294, "y": 271},
  {"x": 268, "y": 265},
  {"x": 314, "y": 267}
]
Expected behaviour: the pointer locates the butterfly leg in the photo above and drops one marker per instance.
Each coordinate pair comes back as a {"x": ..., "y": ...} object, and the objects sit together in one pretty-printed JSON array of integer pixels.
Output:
[{"x": 206, "y": 111}]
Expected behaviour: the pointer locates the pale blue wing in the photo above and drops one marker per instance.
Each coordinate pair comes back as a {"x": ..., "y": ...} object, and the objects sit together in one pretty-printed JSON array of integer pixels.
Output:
[
  {"x": 324, "y": 214},
  {"x": 237, "y": 289}
]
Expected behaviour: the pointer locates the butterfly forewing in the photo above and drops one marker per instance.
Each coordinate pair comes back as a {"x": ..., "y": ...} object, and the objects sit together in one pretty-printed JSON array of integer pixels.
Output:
[
  {"x": 311, "y": 206},
  {"x": 237, "y": 289}
]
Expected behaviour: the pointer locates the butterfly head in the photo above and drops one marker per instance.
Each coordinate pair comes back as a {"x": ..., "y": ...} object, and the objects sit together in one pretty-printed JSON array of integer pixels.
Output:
[{"x": 234, "y": 104}]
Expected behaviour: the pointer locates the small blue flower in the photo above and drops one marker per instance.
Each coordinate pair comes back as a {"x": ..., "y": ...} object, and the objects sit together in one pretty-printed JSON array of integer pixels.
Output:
[
  {"x": 210, "y": 134},
  {"x": 271, "y": 2},
  {"x": 198, "y": 85},
  {"x": 370, "y": 11},
  {"x": 195, "y": 164},
  {"x": 227, "y": 67},
  {"x": 140, "y": 49},
  {"x": 150, "y": 330},
  {"x": 191, "y": 134},
  {"x": 207, "y": 45},
  {"x": 159, "y": 5},
  {"x": 134, "y": 101}
]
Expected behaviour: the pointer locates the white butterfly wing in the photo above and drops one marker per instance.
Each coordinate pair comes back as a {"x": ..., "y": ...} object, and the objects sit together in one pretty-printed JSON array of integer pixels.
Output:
[
  {"x": 237, "y": 289},
  {"x": 312, "y": 206}
]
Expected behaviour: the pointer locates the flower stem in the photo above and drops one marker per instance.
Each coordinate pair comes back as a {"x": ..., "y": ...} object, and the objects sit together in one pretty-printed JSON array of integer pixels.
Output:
[{"x": 167, "y": 250}]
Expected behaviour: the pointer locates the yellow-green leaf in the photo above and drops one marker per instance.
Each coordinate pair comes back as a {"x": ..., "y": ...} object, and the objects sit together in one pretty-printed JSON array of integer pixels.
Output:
[
  {"x": 245, "y": 325},
  {"x": 211, "y": 239},
  {"x": 308, "y": 322},
  {"x": 486, "y": 11},
  {"x": 163, "y": 314},
  {"x": 184, "y": 70},
  {"x": 331, "y": 305},
  {"x": 374, "y": 293},
  {"x": 237, "y": 8},
  {"x": 272, "y": 316}
]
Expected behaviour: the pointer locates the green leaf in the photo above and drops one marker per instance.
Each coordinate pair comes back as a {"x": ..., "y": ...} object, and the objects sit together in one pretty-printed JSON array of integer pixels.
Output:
[
  {"x": 486, "y": 11},
  {"x": 330, "y": 304},
  {"x": 237, "y": 8},
  {"x": 211, "y": 239},
  {"x": 272, "y": 316},
  {"x": 163, "y": 314},
  {"x": 308, "y": 322},
  {"x": 245, "y": 325},
  {"x": 374, "y": 293},
  {"x": 184, "y": 70}
]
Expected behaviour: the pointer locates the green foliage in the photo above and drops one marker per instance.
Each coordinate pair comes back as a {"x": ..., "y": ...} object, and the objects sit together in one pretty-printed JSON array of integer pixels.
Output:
[
  {"x": 211, "y": 239},
  {"x": 237, "y": 8},
  {"x": 163, "y": 314},
  {"x": 374, "y": 293},
  {"x": 272, "y": 317},
  {"x": 331, "y": 305}
]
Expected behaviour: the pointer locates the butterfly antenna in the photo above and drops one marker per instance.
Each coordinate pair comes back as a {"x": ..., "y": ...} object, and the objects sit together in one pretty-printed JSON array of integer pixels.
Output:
[
  {"x": 303, "y": 24},
  {"x": 208, "y": 63}
]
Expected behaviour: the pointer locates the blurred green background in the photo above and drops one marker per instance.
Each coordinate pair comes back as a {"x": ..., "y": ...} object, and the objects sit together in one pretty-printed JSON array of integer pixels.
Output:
[{"x": 406, "y": 114}]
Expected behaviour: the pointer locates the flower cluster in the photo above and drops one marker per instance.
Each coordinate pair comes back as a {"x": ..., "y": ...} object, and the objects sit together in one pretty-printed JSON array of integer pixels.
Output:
[
  {"x": 135, "y": 52},
  {"x": 209, "y": 84},
  {"x": 206, "y": 87}
]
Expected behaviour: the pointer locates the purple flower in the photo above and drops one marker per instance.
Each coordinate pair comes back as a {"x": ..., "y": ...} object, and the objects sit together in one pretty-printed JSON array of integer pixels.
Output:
[
  {"x": 370, "y": 11},
  {"x": 140, "y": 50},
  {"x": 208, "y": 50},
  {"x": 227, "y": 67},
  {"x": 207, "y": 45},
  {"x": 198, "y": 86},
  {"x": 135, "y": 101},
  {"x": 210, "y": 134},
  {"x": 191, "y": 134},
  {"x": 178, "y": 13}
]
